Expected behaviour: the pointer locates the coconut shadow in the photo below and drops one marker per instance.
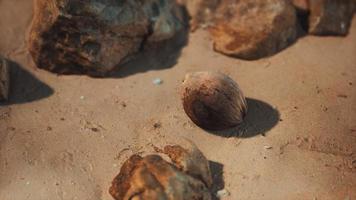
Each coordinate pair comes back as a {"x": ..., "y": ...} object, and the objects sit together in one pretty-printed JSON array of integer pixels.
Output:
[{"x": 261, "y": 117}]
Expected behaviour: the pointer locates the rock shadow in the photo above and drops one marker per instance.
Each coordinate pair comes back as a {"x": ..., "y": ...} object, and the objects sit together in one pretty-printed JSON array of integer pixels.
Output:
[
  {"x": 217, "y": 173},
  {"x": 156, "y": 56},
  {"x": 159, "y": 56},
  {"x": 261, "y": 117},
  {"x": 303, "y": 19},
  {"x": 25, "y": 87}
]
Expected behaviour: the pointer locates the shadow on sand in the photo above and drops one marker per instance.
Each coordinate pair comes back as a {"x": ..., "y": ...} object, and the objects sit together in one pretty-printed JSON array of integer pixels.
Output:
[
  {"x": 261, "y": 117},
  {"x": 25, "y": 87},
  {"x": 217, "y": 173},
  {"x": 154, "y": 57}
]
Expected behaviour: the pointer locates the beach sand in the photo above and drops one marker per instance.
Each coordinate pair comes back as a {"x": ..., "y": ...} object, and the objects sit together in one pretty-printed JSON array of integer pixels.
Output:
[{"x": 65, "y": 137}]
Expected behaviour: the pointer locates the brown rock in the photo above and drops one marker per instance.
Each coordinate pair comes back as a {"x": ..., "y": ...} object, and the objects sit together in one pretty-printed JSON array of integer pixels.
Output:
[
  {"x": 330, "y": 17},
  {"x": 153, "y": 178},
  {"x": 301, "y": 4},
  {"x": 191, "y": 161},
  {"x": 302, "y": 8},
  {"x": 253, "y": 29},
  {"x": 213, "y": 100},
  {"x": 82, "y": 36},
  {"x": 4, "y": 79}
]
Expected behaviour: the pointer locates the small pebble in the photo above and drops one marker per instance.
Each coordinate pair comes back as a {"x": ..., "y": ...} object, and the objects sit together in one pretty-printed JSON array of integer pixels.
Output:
[
  {"x": 342, "y": 96},
  {"x": 157, "y": 125},
  {"x": 222, "y": 193},
  {"x": 123, "y": 104},
  {"x": 82, "y": 97},
  {"x": 343, "y": 26},
  {"x": 157, "y": 81},
  {"x": 95, "y": 129},
  {"x": 267, "y": 147}
]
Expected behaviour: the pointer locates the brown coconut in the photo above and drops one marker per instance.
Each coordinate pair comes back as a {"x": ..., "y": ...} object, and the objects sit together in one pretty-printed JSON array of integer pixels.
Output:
[{"x": 213, "y": 101}]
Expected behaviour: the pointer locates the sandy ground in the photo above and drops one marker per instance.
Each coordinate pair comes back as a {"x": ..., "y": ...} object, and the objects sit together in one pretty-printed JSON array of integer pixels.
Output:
[{"x": 65, "y": 137}]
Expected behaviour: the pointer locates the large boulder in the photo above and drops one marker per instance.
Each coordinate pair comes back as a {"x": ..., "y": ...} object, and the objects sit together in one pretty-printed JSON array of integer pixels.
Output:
[
  {"x": 187, "y": 177},
  {"x": 95, "y": 36},
  {"x": 330, "y": 17},
  {"x": 4, "y": 79},
  {"x": 253, "y": 29}
]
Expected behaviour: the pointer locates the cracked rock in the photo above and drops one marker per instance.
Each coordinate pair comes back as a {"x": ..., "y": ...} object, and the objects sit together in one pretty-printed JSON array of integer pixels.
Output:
[
  {"x": 95, "y": 36},
  {"x": 330, "y": 17},
  {"x": 151, "y": 177},
  {"x": 252, "y": 29}
]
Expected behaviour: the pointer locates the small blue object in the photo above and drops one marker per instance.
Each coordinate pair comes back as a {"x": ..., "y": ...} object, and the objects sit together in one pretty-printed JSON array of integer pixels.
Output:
[{"x": 157, "y": 81}]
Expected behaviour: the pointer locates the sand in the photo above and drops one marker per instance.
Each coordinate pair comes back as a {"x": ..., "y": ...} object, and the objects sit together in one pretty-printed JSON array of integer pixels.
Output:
[{"x": 65, "y": 137}]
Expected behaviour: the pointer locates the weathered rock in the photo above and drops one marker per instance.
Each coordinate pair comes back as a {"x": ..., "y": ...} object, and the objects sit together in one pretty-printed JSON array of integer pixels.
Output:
[
  {"x": 213, "y": 101},
  {"x": 190, "y": 160},
  {"x": 200, "y": 11},
  {"x": 153, "y": 178},
  {"x": 4, "y": 79},
  {"x": 302, "y": 5},
  {"x": 95, "y": 36},
  {"x": 253, "y": 29},
  {"x": 330, "y": 17}
]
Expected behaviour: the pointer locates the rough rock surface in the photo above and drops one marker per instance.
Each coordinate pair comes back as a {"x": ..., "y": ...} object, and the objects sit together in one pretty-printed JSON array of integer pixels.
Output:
[
  {"x": 190, "y": 160},
  {"x": 330, "y": 17},
  {"x": 153, "y": 178},
  {"x": 213, "y": 101},
  {"x": 301, "y": 4},
  {"x": 253, "y": 29},
  {"x": 95, "y": 36},
  {"x": 4, "y": 79}
]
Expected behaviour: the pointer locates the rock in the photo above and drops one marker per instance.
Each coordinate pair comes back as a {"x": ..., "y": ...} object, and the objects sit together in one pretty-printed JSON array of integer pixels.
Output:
[
  {"x": 200, "y": 11},
  {"x": 302, "y": 5},
  {"x": 330, "y": 17},
  {"x": 190, "y": 160},
  {"x": 213, "y": 101},
  {"x": 94, "y": 37},
  {"x": 252, "y": 29},
  {"x": 302, "y": 8},
  {"x": 157, "y": 81},
  {"x": 4, "y": 79},
  {"x": 153, "y": 178}
]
